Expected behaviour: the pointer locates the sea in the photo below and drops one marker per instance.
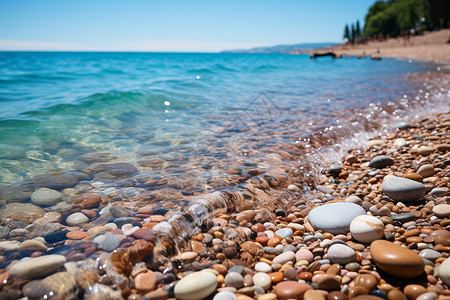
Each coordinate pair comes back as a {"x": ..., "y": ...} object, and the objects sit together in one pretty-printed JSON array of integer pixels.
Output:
[{"x": 191, "y": 122}]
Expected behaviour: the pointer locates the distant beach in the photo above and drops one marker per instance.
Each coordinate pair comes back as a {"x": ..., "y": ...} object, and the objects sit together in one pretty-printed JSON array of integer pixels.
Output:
[{"x": 431, "y": 46}]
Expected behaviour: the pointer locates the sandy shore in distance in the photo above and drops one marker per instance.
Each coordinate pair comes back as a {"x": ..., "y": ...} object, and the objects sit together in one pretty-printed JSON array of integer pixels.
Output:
[{"x": 433, "y": 46}]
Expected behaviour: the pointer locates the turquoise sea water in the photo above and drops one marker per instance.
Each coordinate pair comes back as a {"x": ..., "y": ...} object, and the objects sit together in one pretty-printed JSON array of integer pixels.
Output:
[{"x": 191, "y": 108}]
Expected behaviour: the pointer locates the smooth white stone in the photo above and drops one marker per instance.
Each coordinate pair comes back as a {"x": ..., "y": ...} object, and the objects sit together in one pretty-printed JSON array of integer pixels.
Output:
[
  {"x": 335, "y": 217},
  {"x": 196, "y": 286},
  {"x": 263, "y": 280},
  {"x": 263, "y": 267},
  {"x": 366, "y": 229},
  {"x": 341, "y": 254},
  {"x": 37, "y": 267}
]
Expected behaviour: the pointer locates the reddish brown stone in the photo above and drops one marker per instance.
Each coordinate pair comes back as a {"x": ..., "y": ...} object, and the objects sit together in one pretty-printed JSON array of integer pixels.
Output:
[
  {"x": 76, "y": 235},
  {"x": 291, "y": 290}
]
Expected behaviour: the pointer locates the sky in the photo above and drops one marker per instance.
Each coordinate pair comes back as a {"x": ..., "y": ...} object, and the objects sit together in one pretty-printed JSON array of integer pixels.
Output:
[{"x": 172, "y": 25}]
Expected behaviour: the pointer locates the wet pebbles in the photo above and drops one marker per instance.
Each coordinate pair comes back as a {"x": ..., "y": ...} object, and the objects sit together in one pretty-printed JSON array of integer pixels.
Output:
[{"x": 376, "y": 226}]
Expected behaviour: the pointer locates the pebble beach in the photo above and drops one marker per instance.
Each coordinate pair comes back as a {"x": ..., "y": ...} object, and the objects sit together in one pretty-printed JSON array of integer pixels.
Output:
[{"x": 373, "y": 224}]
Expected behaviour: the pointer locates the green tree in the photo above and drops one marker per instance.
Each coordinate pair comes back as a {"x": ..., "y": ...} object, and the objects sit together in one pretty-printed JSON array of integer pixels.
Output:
[
  {"x": 393, "y": 17},
  {"x": 346, "y": 33},
  {"x": 353, "y": 37},
  {"x": 358, "y": 29}
]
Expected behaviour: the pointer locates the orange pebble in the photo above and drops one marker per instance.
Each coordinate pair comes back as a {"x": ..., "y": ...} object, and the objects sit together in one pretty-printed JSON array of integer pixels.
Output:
[
  {"x": 306, "y": 276},
  {"x": 274, "y": 241},
  {"x": 276, "y": 277},
  {"x": 76, "y": 235}
]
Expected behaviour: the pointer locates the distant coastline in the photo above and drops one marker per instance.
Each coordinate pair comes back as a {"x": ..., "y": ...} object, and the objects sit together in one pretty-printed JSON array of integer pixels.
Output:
[
  {"x": 431, "y": 46},
  {"x": 284, "y": 49}
]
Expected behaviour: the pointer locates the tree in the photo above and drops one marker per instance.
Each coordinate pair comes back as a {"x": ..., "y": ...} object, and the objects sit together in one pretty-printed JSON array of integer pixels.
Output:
[
  {"x": 394, "y": 17},
  {"x": 346, "y": 34},
  {"x": 353, "y": 38},
  {"x": 358, "y": 29}
]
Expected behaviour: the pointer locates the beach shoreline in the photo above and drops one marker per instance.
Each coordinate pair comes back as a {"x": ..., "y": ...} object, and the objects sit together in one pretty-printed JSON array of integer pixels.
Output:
[
  {"x": 431, "y": 46},
  {"x": 222, "y": 246}
]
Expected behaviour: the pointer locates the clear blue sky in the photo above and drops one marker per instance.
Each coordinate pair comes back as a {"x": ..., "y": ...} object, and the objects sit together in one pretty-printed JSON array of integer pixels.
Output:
[{"x": 172, "y": 25}]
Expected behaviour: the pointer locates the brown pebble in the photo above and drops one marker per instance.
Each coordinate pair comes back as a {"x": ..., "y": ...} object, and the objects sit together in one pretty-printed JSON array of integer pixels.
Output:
[
  {"x": 356, "y": 291},
  {"x": 414, "y": 239},
  {"x": 290, "y": 274},
  {"x": 313, "y": 295},
  {"x": 306, "y": 276},
  {"x": 413, "y": 176},
  {"x": 396, "y": 260},
  {"x": 274, "y": 241},
  {"x": 145, "y": 281},
  {"x": 76, "y": 235},
  {"x": 395, "y": 294},
  {"x": 412, "y": 291},
  {"x": 276, "y": 277},
  {"x": 291, "y": 290},
  {"x": 157, "y": 295},
  {"x": 328, "y": 282},
  {"x": 441, "y": 237},
  {"x": 412, "y": 232},
  {"x": 220, "y": 268},
  {"x": 367, "y": 281}
]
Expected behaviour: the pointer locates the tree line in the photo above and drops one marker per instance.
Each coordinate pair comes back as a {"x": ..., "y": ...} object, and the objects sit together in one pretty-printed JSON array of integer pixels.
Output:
[{"x": 399, "y": 17}]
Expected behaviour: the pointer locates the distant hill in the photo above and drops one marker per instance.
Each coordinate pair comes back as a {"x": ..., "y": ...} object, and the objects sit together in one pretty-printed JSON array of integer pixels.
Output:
[{"x": 280, "y": 49}]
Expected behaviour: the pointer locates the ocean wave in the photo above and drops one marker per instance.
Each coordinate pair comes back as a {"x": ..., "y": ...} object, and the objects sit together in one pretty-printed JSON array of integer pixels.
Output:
[{"x": 117, "y": 102}]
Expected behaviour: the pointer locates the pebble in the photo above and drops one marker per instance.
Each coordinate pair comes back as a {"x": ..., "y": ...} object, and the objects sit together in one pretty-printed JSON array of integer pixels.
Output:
[
  {"x": 426, "y": 170},
  {"x": 234, "y": 279},
  {"x": 45, "y": 197},
  {"x": 32, "y": 245},
  {"x": 334, "y": 169},
  {"x": 443, "y": 271},
  {"x": 291, "y": 274},
  {"x": 395, "y": 294},
  {"x": 341, "y": 254},
  {"x": 197, "y": 285},
  {"x": 380, "y": 162},
  {"x": 367, "y": 281},
  {"x": 430, "y": 254},
  {"x": 442, "y": 210},
  {"x": 55, "y": 237},
  {"x": 328, "y": 282},
  {"x": 4, "y": 231},
  {"x": 366, "y": 228},
  {"x": 427, "y": 296},
  {"x": 396, "y": 260},
  {"x": 304, "y": 254},
  {"x": 284, "y": 232},
  {"x": 225, "y": 295},
  {"x": 110, "y": 243},
  {"x": 263, "y": 267},
  {"x": 313, "y": 295},
  {"x": 63, "y": 283},
  {"x": 403, "y": 189},
  {"x": 76, "y": 235},
  {"x": 9, "y": 246},
  {"x": 425, "y": 150},
  {"x": 37, "y": 267},
  {"x": 145, "y": 281},
  {"x": 77, "y": 219},
  {"x": 335, "y": 218},
  {"x": 22, "y": 212},
  {"x": 441, "y": 237},
  {"x": 439, "y": 192},
  {"x": 412, "y": 291},
  {"x": 403, "y": 217},
  {"x": 284, "y": 257},
  {"x": 291, "y": 290},
  {"x": 263, "y": 280}
]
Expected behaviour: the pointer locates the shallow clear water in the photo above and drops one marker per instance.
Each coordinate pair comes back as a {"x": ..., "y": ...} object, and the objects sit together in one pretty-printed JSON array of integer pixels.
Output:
[{"x": 185, "y": 109}]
